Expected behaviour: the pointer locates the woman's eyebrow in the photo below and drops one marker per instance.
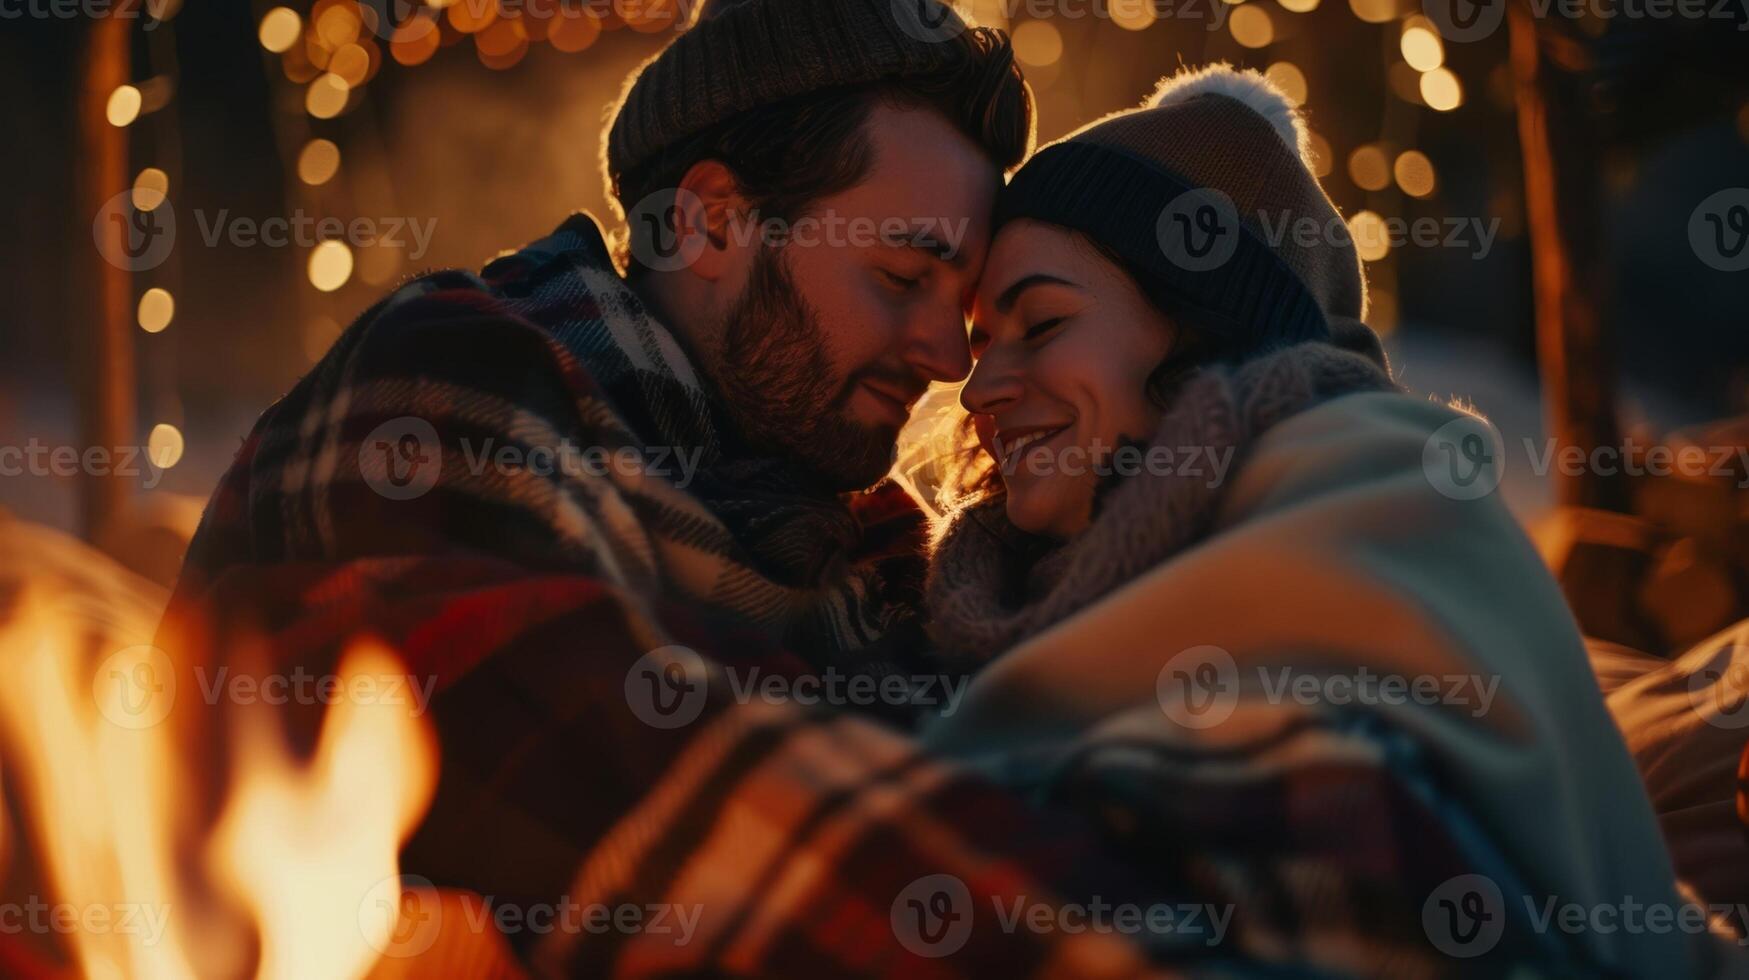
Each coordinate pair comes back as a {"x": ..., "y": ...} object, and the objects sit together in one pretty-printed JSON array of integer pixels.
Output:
[{"x": 1005, "y": 302}]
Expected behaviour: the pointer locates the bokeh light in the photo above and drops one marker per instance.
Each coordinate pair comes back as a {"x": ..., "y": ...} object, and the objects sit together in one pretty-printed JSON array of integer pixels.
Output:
[
  {"x": 1323, "y": 159},
  {"x": 124, "y": 105},
  {"x": 1132, "y": 15},
  {"x": 1251, "y": 27},
  {"x": 1414, "y": 173},
  {"x": 1037, "y": 42},
  {"x": 1441, "y": 90},
  {"x": 157, "y": 308},
  {"x": 326, "y": 97},
  {"x": 279, "y": 29},
  {"x": 573, "y": 30},
  {"x": 1369, "y": 168},
  {"x": 151, "y": 187},
  {"x": 1287, "y": 76},
  {"x": 164, "y": 446},
  {"x": 318, "y": 162},
  {"x": 1298, "y": 6},
  {"x": 1422, "y": 48},
  {"x": 1369, "y": 234},
  {"x": 330, "y": 266},
  {"x": 415, "y": 41},
  {"x": 1374, "y": 11}
]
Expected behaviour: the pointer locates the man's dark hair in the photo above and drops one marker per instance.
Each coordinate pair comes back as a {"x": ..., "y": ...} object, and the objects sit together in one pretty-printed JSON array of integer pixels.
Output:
[{"x": 787, "y": 155}]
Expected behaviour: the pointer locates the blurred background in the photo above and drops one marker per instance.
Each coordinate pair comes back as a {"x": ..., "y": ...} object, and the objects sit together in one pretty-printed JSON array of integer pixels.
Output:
[{"x": 456, "y": 129}]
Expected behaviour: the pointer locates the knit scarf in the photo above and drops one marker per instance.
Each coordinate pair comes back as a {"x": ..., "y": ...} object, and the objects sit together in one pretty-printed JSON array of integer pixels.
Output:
[{"x": 992, "y": 586}]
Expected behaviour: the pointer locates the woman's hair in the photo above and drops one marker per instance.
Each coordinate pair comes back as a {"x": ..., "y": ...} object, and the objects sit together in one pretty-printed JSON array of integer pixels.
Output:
[{"x": 969, "y": 474}]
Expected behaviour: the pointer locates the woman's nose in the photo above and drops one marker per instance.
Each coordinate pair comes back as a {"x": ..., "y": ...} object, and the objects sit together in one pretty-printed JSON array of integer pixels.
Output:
[{"x": 993, "y": 386}]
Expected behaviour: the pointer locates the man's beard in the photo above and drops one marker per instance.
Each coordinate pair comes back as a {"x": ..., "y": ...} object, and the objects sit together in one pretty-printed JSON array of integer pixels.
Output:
[{"x": 780, "y": 390}]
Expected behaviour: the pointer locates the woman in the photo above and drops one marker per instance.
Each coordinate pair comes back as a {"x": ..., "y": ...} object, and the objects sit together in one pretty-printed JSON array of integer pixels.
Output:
[{"x": 1219, "y": 586}]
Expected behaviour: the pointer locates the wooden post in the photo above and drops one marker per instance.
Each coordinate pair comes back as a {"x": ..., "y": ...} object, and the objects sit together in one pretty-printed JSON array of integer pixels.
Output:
[
  {"x": 103, "y": 347},
  {"x": 1563, "y": 204}
]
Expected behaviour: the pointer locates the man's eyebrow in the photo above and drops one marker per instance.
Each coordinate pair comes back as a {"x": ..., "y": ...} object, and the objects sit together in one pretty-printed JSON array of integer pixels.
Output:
[{"x": 1006, "y": 301}]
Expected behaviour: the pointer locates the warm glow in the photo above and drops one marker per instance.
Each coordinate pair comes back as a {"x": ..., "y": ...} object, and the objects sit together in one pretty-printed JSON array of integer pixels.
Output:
[
  {"x": 1422, "y": 49},
  {"x": 1287, "y": 76},
  {"x": 124, "y": 105},
  {"x": 1036, "y": 42},
  {"x": 1374, "y": 11},
  {"x": 1369, "y": 168},
  {"x": 1323, "y": 160},
  {"x": 1251, "y": 26},
  {"x": 1298, "y": 6},
  {"x": 415, "y": 41},
  {"x": 326, "y": 96},
  {"x": 352, "y": 64},
  {"x": 164, "y": 446},
  {"x": 280, "y": 29},
  {"x": 1132, "y": 15},
  {"x": 157, "y": 309},
  {"x": 471, "y": 18},
  {"x": 1369, "y": 234},
  {"x": 318, "y": 162},
  {"x": 573, "y": 30},
  {"x": 150, "y": 188},
  {"x": 1441, "y": 90},
  {"x": 330, "y": 266},
  {"x": 1414, "y": 173},
  {"x": 309, "y": 848},
  {"x": 338, "y": 26}
]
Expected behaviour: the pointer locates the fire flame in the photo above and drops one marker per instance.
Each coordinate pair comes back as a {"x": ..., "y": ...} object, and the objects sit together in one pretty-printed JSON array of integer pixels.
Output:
[{"x": 106, "y": 772}]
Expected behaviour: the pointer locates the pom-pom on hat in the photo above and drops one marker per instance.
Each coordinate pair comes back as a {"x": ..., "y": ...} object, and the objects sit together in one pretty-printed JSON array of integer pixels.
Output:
[{"x": 1206, "y": 191}]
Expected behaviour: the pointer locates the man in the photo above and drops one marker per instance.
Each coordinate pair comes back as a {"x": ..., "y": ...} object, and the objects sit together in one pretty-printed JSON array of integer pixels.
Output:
[{"x": 597, "y": 515}]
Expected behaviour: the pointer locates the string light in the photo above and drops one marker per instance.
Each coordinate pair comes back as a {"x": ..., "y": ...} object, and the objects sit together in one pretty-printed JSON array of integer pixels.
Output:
[
  {"x": 1132, "y": 15},
  {"x": 318, "y": 161},
  {"x": 1037, "y": 42},
  {"x": 1287, "y": 76},
  {"x": 1251, "y": 27},
  {"x": 1414, "y": 173},
  {"x": 280, "y": 28},
  {"x": 1441, "y": 90},
  {"x": 164, "y": 446},
  {"x": 124, "y": 106},
  {"x": 1369, "y": 168},
  {"x": 1367, "y": 230},
  {"x": 157, "y": 308},
  {"x": 330, "y": 265},
  {"x": 151, "y": 187}
]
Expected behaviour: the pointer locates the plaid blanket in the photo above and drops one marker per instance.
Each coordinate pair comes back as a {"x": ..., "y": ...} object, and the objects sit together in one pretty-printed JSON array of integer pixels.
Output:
[{"x": 591, "y": 638}]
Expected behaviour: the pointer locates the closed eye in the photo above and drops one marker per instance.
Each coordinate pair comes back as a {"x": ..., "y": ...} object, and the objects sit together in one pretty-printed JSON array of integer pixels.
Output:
[
  {"x": 1043, "y": 327},
  {"x": 898, "y": 282}
]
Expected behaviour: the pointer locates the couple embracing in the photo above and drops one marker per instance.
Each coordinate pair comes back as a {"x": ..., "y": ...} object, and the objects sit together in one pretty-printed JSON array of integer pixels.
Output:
[{"x": 1335, "y": 706}]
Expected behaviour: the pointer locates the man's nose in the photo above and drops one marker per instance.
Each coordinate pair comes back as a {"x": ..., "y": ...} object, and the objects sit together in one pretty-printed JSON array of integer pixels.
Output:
[{"x": 936, "y": 348}]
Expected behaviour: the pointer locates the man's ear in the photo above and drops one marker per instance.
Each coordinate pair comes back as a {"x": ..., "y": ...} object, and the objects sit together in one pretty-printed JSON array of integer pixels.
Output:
[{"x": 708, "y": 204}]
